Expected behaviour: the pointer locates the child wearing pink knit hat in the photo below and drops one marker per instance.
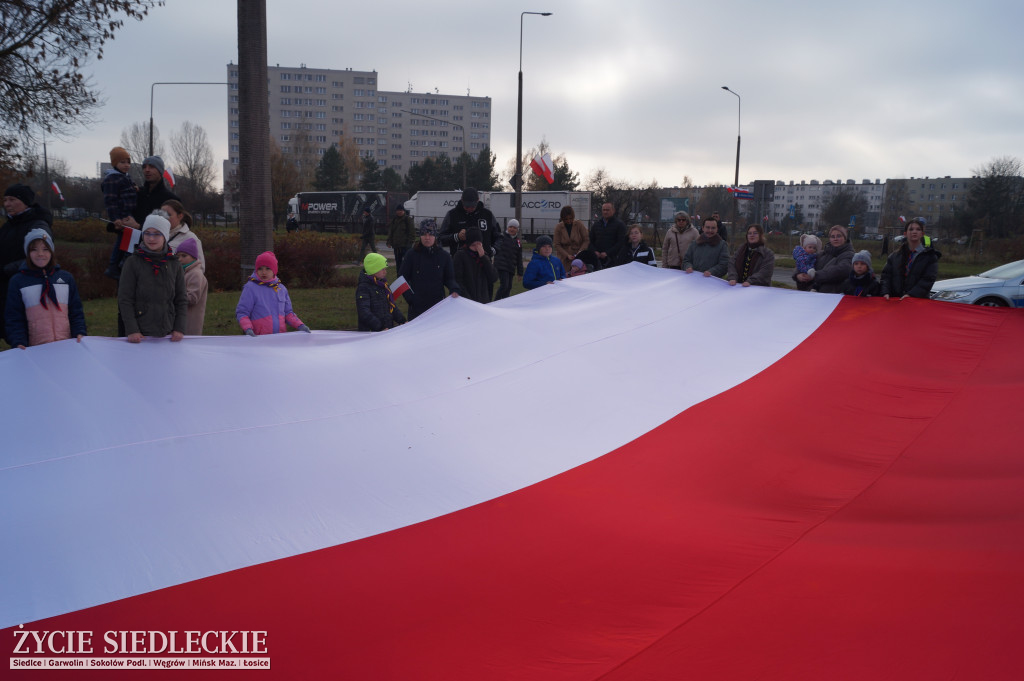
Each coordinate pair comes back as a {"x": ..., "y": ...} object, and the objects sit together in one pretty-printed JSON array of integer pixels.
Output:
[{"x": 265, "y": 306}]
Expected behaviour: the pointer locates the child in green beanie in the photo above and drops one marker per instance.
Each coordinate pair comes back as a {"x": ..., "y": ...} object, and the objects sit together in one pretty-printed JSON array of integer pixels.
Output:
[{"x": 375, "y": 304}]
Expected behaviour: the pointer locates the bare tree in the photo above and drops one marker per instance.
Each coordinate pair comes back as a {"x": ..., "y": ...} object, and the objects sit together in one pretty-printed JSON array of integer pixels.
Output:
[
  {"x": 43, "y": 46},
  {"x": 193, "y": 157},
  {"x": 135, "y": 138}
]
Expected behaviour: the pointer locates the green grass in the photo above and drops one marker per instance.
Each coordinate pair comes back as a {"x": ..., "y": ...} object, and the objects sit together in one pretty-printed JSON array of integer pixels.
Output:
[{"x": 322, "y": 308}]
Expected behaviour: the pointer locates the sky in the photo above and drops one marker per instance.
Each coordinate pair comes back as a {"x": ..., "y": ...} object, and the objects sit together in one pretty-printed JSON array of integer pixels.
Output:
[{"x": 830, "y": 91}]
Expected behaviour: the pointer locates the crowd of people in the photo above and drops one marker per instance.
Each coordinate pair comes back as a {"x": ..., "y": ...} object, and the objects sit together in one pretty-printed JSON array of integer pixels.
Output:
[{"x": 159, "y": 263}]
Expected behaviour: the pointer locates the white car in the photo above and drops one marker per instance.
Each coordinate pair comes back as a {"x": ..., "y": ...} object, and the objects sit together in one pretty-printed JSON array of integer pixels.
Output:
[{"x": 999, "y": 287}]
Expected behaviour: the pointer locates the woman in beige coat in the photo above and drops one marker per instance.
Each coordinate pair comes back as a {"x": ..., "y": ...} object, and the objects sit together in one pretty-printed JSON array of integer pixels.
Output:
[
  {"x": 571, "y": 237},
  {"x": 677, "y": 239}
]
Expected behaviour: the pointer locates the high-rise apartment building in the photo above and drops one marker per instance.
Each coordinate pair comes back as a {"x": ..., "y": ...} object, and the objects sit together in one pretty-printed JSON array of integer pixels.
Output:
[{"x": 310, "y": 109}]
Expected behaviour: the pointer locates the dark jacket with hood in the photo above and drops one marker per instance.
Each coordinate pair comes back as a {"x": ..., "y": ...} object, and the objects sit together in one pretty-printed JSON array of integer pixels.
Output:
[
  {"x": 151, "y": 198},
  {"x": 374, "y": 306},
  {"x": 915, "y": 280},
  {"x": 153, "y": 304},
  {"x": 429, "y": 271},
  {"x": 458, "y": 219},
  {"x": 508, "y": 254},
  {"x": 832, "y": 268},
  {"x": 475, "y": 274},
  {"x": 12, "y": 246},
  {"x": 864, "y": 285}
]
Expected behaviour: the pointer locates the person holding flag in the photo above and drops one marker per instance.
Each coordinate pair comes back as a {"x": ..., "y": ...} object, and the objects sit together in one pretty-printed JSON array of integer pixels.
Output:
[
  {"x": 120, "y": 197},
  {"x": 375, "y": 302}
]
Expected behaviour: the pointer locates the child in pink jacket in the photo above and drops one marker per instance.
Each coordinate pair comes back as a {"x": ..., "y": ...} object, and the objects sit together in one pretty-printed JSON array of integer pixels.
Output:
[{"x": 265, "y": 306}]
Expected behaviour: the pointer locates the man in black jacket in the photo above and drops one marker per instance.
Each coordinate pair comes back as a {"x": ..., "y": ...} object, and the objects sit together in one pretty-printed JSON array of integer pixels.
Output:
[
  {"x": 369, "y": 236},
  {"x": 469, "y": 212},
  {"x": 607, "y": 236},
  {"x": 152, "y": 194}
]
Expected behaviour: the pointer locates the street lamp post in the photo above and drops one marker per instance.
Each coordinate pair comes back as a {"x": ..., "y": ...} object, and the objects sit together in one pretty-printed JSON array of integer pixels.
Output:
[
  {"x": 519, "y": 123},
  {"x": 454, "y": 125},
  {"x": 736, "y": 179},
  {"x": 151, "y": 87}
]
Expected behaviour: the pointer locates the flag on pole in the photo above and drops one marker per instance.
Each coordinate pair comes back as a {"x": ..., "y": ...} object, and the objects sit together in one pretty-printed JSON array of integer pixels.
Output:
[
  {"x": 543, "y": 167},
  {"x": 740, "y": 193},
  {"x": 130, "y": 239},
  {"x": 169, "y": 178},
  {"x": 56, "y": 190},
  {"x": 399, "y": 287}
]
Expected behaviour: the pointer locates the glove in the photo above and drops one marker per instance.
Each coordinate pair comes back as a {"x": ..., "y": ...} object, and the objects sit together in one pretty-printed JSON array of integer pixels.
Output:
[
  {"x": 305, "y": 328},
  {"x": 250, "y": 332}
]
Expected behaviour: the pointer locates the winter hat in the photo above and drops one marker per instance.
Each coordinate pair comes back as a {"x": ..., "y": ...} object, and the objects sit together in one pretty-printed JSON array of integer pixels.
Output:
[
  {"x": 189, "y": 246},
  {"x": 154, "y": 161},
  {"x": 22, "y": 192},
  {"x": 118, "y": 154},
  {"x": 864, "y": 257},
  {"x": 842, "y": 230},
  {"x": 38, "y": 233},
  {"x": 544, "y": 240},
  {"x": 811, "y": 239},
  {"x": 470, "y": 197},
  {"x": 512, "y": 223},
  {"x": 366, "y": 209},
  {"x": 400, "y": 207},
  {"x": 428, "y": 226},
  {"x": 473, "y": 235},
  {"x": 576, "y": 264},
  {"x": 157, "y": 221},
  {"x": 374, "y": 263},
  {"x": 267, "y": 259}
]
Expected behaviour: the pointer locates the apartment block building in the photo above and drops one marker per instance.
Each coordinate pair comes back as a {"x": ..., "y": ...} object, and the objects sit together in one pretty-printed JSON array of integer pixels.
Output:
[
  {"x": 310, "y": 109},
  {"x": 812, "y": 196},
  {"x": 932, "y": 198}
]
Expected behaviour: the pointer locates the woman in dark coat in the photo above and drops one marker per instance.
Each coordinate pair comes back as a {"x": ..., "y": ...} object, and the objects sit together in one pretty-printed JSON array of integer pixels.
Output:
[
  {"x": 754, "y": 263},
  {"x": 428, "y": 269},
  {"x": 834, "y": 263},
  {"x": 911, "y": 269}
]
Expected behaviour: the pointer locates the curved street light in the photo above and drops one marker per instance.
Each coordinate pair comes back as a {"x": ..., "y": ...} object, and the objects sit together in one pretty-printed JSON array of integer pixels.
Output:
[
  {"x": 518, "y": 178},
  {"x": 736, "y": 179}
]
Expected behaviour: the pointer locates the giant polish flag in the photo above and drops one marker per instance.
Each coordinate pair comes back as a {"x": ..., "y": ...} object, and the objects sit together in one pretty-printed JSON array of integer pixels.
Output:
[{"x": 634, "y": 474}]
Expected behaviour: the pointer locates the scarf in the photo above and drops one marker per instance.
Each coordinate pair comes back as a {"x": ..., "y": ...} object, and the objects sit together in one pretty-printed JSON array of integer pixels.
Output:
[
  {"x": 48, "y": 291},
  {"x": 150, "y": 257},
  {"x": 273, "y": 283},
  {"x": 387, "y": 289}
]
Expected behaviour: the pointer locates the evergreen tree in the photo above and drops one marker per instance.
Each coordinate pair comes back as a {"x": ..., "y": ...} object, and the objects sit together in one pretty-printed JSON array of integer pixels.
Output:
[
  {"x": 331, "y": 173},
  {"x": 371, "y": 178}
]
